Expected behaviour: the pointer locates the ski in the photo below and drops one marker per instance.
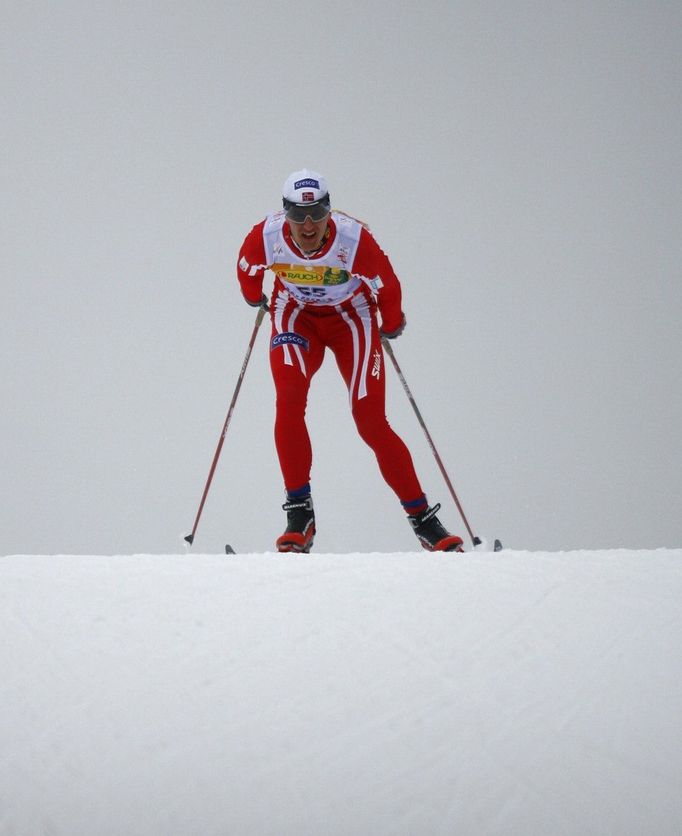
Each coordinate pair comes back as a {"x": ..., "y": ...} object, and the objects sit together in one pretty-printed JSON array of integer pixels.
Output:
[{"x": 497, "y": 547}]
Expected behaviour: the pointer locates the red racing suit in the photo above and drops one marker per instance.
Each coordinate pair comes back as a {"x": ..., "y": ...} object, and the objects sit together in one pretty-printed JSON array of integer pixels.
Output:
[{"x": 329, "y": 299}]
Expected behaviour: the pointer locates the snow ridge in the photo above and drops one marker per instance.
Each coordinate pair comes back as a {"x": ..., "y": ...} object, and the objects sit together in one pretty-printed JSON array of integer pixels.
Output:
[{"x": 517, "y": 693}]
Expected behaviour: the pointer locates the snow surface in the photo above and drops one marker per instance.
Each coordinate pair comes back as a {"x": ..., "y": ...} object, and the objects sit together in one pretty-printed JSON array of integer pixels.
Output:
[{"x": 519, "y": 693}]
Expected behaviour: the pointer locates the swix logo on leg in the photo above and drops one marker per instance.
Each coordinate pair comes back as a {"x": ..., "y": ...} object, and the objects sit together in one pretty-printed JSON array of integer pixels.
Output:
[{"x": 376, "y": 368}]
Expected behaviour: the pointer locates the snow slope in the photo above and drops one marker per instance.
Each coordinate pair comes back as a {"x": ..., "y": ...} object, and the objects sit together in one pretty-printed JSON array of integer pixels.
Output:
[{"x": 519, "y": 693}]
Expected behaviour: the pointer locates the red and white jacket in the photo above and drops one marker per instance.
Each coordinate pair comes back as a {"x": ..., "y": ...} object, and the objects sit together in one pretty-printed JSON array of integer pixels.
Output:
[{"x": 349, "y": 262}]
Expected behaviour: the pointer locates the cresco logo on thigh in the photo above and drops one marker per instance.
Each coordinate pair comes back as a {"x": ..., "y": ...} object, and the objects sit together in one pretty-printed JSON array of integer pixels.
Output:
[{"x": 289, "y": 338}]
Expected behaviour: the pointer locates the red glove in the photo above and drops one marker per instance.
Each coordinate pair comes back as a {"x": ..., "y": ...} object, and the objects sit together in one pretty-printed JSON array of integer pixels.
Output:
[
  {"x": 262, "y": 303},
  {"x": 392, "y": 335}
]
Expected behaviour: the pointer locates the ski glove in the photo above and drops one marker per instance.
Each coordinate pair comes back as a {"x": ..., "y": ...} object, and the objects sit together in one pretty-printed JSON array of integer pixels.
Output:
[
  {"x": 392, "y": 335},
  {"x": 262, "y": 303}
]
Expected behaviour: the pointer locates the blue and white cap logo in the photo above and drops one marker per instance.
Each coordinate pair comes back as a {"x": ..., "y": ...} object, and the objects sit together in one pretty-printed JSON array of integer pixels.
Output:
[{"x": 308, "y": 183}]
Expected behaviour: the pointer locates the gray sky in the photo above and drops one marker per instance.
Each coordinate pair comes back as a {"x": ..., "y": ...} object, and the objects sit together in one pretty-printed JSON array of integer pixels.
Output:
[{"x": 519, "y": 162}]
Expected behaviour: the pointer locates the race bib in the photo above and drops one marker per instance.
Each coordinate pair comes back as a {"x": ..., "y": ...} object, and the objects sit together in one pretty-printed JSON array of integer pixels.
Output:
[{"x": 314, "y": 275}]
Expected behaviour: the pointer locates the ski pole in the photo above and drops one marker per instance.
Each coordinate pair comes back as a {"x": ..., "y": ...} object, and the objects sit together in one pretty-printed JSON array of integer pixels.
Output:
[
  {"x": 259, "y": 318},
  {"x": 389, "y": 350}
]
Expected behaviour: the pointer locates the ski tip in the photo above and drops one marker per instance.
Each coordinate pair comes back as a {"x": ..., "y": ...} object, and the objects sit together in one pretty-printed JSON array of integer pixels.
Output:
[
  {"x": 229, "y": 549},
  {"x": 189, "y": 539},
  {"x": 498, "y": 546}
]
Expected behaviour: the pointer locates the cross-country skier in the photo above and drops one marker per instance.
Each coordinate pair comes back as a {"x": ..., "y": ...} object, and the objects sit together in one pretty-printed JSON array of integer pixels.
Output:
[{"x": 331, "y": 279}]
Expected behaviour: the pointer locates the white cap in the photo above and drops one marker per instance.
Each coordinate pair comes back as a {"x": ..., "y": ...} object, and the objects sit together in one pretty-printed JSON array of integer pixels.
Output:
[{"x": 304, "y": 186}]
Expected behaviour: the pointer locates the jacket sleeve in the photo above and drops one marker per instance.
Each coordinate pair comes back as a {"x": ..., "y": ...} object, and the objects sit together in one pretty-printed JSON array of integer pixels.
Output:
[
  {"x": 373, "y": 265},
  {"x": 251, "y": 265}
]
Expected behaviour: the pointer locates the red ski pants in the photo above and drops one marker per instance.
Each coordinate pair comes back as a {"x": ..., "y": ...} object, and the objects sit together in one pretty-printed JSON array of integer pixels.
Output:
[{"x": 300, "y": 335}]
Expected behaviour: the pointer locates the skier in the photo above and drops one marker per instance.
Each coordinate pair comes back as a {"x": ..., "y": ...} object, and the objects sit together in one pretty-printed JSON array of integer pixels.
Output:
[{"x": 331, "y": 279}]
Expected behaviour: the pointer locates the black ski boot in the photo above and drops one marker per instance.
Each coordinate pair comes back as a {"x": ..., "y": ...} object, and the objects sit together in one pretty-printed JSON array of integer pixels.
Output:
[
  {"x": 431, "y": 533},
  {"x": 300, "y": 530}
]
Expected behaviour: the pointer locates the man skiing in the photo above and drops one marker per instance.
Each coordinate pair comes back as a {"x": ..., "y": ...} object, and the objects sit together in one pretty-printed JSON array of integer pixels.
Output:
[{"x": 331, "y": 280}]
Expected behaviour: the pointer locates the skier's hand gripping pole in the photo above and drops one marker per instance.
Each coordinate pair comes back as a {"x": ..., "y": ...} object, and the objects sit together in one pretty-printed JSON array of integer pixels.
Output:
[{"x": 259, "y": 318}]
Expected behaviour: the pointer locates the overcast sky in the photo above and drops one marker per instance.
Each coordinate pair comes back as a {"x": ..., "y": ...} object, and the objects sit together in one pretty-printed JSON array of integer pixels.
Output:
[{"x": 520, "y": 162}]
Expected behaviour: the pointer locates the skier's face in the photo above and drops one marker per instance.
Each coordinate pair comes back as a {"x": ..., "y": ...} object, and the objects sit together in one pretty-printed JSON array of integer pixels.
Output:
[{"x": 309, "y": 234}]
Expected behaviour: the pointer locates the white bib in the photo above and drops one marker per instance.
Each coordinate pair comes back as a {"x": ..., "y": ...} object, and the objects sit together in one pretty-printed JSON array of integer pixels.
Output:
[{"x": 318, "y": 280}]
